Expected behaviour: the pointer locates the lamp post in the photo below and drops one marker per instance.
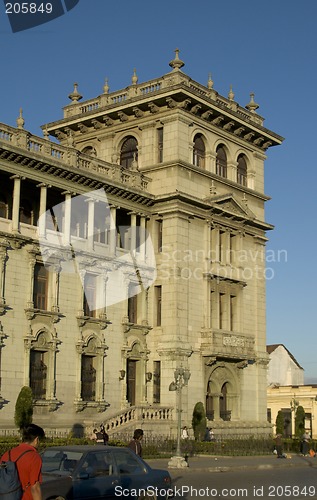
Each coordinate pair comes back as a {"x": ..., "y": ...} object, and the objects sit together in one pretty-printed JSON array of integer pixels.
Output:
[{"x": 181, "y": 376}]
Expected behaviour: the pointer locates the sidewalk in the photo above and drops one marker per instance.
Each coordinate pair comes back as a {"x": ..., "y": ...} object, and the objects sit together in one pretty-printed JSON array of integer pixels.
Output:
[{"x": 222, "y": 464}]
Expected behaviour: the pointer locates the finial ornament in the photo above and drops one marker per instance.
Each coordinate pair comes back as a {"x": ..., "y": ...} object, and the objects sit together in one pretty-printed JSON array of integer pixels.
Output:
[
  {"x": 231, "y": 94},
  {"x": 134, "y": 77},
  {"x": 75, "y": 95},
  {"x": 46, "y": 134},
  {"x": 210, "y": 83},
  {"x": 252, "y": 106},
  {"x": 176, "y": 63},
  {"x": 106, "y": 87},
  {"x": 20, "y": 120}
]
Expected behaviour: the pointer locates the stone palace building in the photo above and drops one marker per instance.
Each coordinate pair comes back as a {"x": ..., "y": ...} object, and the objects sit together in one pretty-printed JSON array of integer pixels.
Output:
[{"x": 132, "y": 243}]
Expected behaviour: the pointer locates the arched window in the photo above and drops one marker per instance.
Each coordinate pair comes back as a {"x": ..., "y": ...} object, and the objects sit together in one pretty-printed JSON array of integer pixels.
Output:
[
  {"x": 129, "y": 152},
  {"x": 242, "y": 170},
  {"x": 221, "y": 162},
  {"x": 199, "y": 151},
  {"x": 89, "y": 368},
  {"x": 38, "y": 373},
  {"x": 89, "y": 150}
]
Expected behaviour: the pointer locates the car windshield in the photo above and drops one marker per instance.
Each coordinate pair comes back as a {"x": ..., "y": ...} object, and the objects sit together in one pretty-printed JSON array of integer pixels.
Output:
[{"x": 60, "y": 461}]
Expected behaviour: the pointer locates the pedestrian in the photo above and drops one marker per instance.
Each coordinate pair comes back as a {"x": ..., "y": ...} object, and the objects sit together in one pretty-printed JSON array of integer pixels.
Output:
[
  {"x": 184, "y": 434},
  {"x": 29, "y": 466},
  {"x": 135, "y": 443},
  {"x": 98, "y": 436},
  {"x": 211, "y": 434},
  {"x": 207, "y": 436},
  {"x": 279, "y": 446},
  {"x": 105, "y": 436},
  {"x": 305, "y": 443}
]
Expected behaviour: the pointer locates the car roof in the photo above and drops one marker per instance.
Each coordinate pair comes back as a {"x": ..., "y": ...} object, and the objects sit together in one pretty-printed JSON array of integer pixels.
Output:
[{"x": 83, "y": 448}]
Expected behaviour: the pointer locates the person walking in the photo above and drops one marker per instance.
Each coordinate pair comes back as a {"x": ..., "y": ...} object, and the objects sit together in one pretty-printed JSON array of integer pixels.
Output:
[
  {"x": 305, "y": 443},
  {"x": 99, "y": 438},
  {"x": 184, "y": 434},
  {"x": 28, "y": 462},
  {"x": 105, "y": 436},
  {"x": 279, "y": 446},
  {"x": 135, "y": 443}
]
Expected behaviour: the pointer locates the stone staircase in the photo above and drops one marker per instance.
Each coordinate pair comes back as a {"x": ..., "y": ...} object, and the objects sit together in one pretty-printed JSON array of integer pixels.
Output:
[{"x": 145, "y": 417}]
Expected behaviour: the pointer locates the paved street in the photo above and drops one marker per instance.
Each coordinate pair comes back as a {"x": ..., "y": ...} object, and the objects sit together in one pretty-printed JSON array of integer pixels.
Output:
[{"x": 244, "y": 477}]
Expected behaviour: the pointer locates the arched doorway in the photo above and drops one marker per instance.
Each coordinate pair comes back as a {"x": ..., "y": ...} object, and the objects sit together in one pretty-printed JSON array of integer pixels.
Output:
[{"x": 222, "y": 393}]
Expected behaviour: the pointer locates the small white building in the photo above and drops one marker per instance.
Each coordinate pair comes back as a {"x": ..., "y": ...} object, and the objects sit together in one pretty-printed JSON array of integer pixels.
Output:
[
  {"x": 283, "y": 369},
  {"x": 286, "y": 391}
]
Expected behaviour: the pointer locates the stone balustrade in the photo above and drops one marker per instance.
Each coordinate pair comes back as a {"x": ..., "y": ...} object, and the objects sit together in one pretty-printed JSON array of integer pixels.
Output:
[
  {"x": 137, "y": 414},
  {"x": 10, "y": 136},
  {"x": 151, "y": 87}
]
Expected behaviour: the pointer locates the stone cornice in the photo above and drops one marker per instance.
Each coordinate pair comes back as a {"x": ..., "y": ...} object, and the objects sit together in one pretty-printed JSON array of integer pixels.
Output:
[{"x": 185, "y": 94}]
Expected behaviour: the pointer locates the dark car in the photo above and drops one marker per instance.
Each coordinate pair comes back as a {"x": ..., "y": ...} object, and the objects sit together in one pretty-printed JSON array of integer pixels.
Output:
[{"x": 91, "y": 472}]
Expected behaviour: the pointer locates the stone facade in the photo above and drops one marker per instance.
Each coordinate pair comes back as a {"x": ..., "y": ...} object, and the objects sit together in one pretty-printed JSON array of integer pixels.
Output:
[{"x": 177, "y": 173}]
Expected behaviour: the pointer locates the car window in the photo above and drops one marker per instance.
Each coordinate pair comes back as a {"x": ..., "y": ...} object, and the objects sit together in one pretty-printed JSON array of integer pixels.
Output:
[
  {"x": 97, "y": 464},
  {"x": 127, "y": 463},
  {"x": 57, "y": 460}
]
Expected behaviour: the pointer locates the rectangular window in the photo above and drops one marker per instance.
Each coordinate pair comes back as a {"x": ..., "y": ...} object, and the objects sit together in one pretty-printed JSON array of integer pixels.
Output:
[
  {"x": 133, "y": 304},
  {"x": 222, "y": 249},
  {"x": 88, "y": 378},
  {"x": 212, "y": 308},
  {"x": 38, "y": 374},
  {"x": 160, "y": 144},
  {"x": 90, "y": 295},
  {"x": 159, "y": 225},
  {"x": 233, "y": 313},
  {"x": 222, "y": 298},
  {"x": 40, "y": 287},
  {"x": 158, "y": 305},
  {"x": 156, "y": 382}
]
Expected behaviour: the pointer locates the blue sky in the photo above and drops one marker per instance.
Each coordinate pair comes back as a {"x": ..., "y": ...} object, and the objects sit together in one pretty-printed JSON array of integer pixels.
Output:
[{"x": 267, "y": 48}]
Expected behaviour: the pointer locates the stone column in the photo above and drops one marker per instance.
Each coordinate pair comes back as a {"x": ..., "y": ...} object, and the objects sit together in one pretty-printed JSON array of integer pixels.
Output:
[
  {"x": 216, "y": 244},
  {"x": 42, "y": 217},
  {"x": 91, "y": 223},
  {"x": 225, "y": 243},
  {"x": 82, "y": 274},
  {"x": 3, "y": 258},
  {"x": 232, "y": 171},
  {"x": 32, "y": 261},
  {"x": 216, "y": 406},
  {"x": 16, "y": 203},
  {"x": 67, "y": 217},
  {"x": 113, "y": 230},
  {"x": 133, "y": 233},
  {"x": 143, "y": 363},
  {"x": 143, "y": 238},
  {"x": 57, "y": 270},
  {"x": 211, "y": 162}
]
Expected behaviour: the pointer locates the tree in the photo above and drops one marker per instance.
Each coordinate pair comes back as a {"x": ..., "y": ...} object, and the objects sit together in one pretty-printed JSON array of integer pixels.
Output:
[
  {"x": 24, "y": 408},
  {"x": 280, "y": 423},
  {"x": 299, "y": 421},
  {"x": 199, "y": 421}
]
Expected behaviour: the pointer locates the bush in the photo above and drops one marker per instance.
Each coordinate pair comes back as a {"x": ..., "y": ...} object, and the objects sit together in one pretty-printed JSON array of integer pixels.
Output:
[
  {"x": 280, "y": 423},
  {"x": 24, "y": 408},
  {"x": 199, "y": 421},
  {"x": 299, "y": 422}
]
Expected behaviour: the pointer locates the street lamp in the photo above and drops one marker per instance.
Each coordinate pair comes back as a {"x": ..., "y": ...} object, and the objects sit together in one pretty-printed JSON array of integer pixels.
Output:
[{"x": 181, "y": 376}]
